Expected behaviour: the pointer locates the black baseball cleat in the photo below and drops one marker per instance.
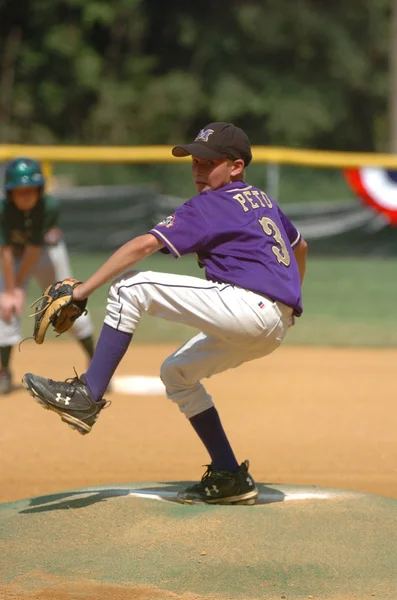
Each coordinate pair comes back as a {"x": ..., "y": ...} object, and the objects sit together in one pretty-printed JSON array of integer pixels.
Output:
[
  {"x": 222, "y": 487},
  {"x": 70, "y": 399}
]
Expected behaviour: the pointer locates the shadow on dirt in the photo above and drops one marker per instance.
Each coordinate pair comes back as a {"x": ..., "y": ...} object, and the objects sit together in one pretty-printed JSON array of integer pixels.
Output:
[{"x": 167, "y": 491}]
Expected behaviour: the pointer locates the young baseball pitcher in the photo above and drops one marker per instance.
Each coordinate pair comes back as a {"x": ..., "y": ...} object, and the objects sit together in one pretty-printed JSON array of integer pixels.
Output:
[
  {"x": 31, "y": 246},
  {"x": 254, "y": 262}
]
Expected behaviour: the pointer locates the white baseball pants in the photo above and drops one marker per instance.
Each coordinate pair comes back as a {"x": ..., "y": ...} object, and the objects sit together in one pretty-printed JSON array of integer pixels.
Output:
[
  {"x": 53, "y": 265},
  {"x": 237, "y": 326}
]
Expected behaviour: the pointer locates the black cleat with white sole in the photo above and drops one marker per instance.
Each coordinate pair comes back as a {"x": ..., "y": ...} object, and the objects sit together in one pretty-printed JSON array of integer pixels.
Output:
[
  {"x": 70, "y": 399},
  {"x": 222, "y": 487}
]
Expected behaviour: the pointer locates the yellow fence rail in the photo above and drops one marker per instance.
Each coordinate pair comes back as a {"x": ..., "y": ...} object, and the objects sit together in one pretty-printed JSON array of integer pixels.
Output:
[{"x": 162, "y": 154}]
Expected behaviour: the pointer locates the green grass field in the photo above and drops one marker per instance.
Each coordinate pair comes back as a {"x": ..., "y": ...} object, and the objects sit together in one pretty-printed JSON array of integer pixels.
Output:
[{"x": 347, "y": 302}]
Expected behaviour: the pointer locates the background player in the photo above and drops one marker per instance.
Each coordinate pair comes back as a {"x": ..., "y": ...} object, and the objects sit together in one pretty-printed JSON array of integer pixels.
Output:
[
  {"x": 254, "y": 261},
  {"x": 31, "y": 245}
]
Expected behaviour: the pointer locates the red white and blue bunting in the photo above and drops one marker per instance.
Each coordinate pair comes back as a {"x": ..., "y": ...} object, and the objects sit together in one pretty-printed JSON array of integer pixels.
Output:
[{"x": 376, "y": 187}]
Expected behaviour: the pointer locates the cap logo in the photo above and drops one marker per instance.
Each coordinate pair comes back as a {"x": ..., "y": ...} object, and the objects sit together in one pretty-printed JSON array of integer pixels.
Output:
[{"x": 204, "y": 135}]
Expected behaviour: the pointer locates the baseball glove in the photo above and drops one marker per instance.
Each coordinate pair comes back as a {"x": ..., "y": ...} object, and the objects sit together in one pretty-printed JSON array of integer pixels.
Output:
[{"x": 57, "y": 307}]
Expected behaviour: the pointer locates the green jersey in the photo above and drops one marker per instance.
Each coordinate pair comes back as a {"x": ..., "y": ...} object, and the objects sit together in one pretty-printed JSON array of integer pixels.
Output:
[{"x": 21, "y": 228}]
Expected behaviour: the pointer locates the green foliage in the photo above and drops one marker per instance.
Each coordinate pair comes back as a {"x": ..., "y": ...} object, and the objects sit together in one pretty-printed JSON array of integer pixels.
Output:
[{"x": 299, "y": 73}]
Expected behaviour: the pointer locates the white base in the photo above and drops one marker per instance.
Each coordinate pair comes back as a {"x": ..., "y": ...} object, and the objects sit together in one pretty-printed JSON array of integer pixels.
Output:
[{"x": 138, "y": 385}]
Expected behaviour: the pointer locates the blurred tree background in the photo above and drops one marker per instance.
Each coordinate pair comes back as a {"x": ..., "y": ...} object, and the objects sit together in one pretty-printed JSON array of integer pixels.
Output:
[{"x": 307, "y": 73}]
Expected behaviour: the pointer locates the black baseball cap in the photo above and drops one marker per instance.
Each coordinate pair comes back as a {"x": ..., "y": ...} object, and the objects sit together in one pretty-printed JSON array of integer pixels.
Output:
[{"x": 218, "y": 140}]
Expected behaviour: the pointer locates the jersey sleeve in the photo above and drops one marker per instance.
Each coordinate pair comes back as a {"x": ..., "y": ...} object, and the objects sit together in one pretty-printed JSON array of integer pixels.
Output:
[
  {"x": 51, "y": 213},
  {"x": 184, "y": 232},
  {"x": 45, "y": 221},
  {"x": 293, "y": 234}
]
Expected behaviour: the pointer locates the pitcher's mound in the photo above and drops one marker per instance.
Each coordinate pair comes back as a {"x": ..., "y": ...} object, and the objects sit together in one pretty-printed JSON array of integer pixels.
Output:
[{"x": 135, "y": 541}]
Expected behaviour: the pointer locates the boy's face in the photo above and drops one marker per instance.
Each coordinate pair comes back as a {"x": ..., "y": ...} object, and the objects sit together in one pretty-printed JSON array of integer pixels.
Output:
[
  {"x": 213, "y": 174},
  {"x": 25, "y": 198}
]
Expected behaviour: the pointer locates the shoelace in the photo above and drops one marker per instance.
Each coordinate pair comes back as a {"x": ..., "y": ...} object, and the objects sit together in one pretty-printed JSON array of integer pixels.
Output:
[
  {"x": 208, "y": 473},
  {"x": 212, "y": 473},
  {"x": 59, "y": 385},
  {"x": 73, "y": 381}
]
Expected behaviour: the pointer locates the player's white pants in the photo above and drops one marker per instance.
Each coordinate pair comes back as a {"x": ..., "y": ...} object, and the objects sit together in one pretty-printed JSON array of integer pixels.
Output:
[
  {"x": 53, "y": 265},
  {"x": 237, "y": 326}
]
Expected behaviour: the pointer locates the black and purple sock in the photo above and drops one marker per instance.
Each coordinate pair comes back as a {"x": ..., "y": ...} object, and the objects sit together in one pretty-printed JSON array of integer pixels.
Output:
[
  {"x": 209, "y": 428},
  {"x": 110, "y": 349}
]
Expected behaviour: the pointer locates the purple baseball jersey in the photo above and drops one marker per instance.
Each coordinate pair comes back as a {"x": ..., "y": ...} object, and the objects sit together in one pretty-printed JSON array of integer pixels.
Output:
[{"x": 241, "y": 237}]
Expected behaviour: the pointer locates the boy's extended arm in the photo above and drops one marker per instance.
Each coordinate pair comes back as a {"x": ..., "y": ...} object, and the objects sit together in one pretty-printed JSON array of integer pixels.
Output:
[
  {"x": 8, "y": 268},
  {"x": 125, "y": 257},
  {"x": 300, "y": 252},
  {"x": 12, "y": 299}
]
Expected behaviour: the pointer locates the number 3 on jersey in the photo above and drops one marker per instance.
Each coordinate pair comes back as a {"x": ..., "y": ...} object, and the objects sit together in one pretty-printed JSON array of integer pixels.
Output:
[{"x": 280, "y": 251}]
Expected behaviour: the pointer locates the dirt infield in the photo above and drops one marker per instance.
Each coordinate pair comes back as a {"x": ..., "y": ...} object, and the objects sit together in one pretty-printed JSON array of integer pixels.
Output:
[{"x": 303, "y": 415}]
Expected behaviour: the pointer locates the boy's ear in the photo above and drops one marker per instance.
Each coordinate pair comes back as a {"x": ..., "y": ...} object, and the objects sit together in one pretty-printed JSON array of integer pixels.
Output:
[{"x": 238, "y": 167}]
